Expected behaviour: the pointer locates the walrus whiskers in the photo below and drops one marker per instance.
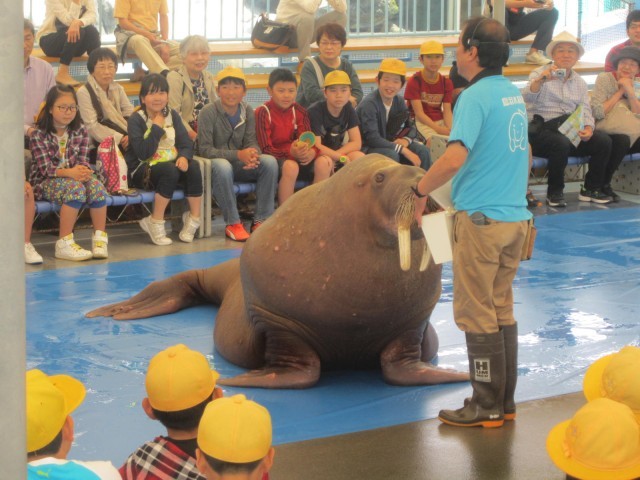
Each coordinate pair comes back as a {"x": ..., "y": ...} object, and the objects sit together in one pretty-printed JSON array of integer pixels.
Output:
[{"x": 404, "y": 219}]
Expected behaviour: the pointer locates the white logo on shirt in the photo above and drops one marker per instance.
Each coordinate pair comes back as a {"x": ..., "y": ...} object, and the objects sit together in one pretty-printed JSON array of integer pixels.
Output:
[{"x": 518, "y": 131}]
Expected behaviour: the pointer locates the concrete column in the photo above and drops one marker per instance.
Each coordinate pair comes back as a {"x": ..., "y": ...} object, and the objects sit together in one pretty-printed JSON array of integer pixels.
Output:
[
  {"x": 12, "y": 284},
  {"x": 498, "y": 11}
]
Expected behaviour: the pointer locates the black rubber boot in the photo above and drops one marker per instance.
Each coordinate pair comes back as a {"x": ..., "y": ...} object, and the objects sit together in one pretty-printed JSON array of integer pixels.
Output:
[
  {"x": 510, "y": 334},
  {"x": 487, "y": 368}
]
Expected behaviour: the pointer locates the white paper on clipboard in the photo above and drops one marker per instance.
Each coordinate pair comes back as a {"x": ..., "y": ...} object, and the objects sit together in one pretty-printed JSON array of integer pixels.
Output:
[{"x": 438, "y": 227}]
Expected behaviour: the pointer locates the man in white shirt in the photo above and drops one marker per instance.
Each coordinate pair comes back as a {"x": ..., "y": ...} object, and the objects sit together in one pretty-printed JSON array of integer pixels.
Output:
[{"x": 302, "y": 15}]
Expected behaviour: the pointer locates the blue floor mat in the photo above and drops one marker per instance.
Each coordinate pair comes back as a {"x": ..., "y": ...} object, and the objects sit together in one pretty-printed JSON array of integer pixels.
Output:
[{"x": 576, "y": 300}]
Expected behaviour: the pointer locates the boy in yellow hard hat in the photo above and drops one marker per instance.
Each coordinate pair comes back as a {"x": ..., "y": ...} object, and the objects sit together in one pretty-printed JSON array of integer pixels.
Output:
[
  {"x": 180, "y": 384},
  {"x": 429, "y": 93},
  {"x": 385, "y": 121},
  {"x": 234, "y": 440},
  {"x": 335, "y": 122},
  {"x": 50, "y": 432}
]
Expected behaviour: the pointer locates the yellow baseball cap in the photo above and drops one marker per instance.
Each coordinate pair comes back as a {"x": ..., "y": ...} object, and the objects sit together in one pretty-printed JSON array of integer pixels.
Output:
[
  {"x": 50, "y": 399},
  {"x": 227, "y": 72},
  {"x": 393, "y": 65},
  {"x": 431, "y": 47},
  {"x": 336, "y": 77},
  {"x": 616, "y": 377},
  {"x": 600, "y": 442},
  {"x": 179, "y": 378},
  {"x": 234, "y": 429}
]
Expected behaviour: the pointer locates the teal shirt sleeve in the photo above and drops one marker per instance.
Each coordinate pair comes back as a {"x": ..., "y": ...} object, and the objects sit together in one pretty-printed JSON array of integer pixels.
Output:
[{"x": 467, "y": 121}]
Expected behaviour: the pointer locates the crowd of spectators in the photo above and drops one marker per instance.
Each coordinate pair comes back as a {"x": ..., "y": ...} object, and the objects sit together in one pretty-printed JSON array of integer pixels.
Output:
[{"x": 306, "y": 131}]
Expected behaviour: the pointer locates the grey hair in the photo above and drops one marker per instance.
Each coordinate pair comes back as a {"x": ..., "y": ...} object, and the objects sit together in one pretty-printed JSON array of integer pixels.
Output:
[
  {"x": 28, "y": 25},
  {"x": 194, "y": 43}
]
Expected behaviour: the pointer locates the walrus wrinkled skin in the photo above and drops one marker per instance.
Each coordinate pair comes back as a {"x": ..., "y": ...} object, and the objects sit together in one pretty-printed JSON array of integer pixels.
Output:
[{"x": 320, "y": 284}]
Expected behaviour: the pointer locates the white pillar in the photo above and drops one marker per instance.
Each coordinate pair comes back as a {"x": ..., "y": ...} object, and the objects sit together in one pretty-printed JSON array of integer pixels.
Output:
[
  {"x": 498, "y": 11},
  {"x": 12, "y": 284}
]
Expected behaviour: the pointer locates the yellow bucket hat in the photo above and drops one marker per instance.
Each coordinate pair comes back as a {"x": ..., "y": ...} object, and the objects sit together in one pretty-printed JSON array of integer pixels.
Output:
[
  {"x": 431, "y": 47},
  {"x": 179, "y": 378},
  {"x": 616, "y": 376},
  {"x": 234, "y": 429},
  {"x": 393, "y": 65},
  {"x": 600, "y": 442},
  {"x": 336, "y": 77},
  {"x": 50, "y": 399},
  {"x": 227, "y": 72}
]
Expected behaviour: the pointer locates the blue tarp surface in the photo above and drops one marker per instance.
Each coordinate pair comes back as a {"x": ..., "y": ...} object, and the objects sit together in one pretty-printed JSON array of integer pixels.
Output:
[{"x": 576, "y": 300}]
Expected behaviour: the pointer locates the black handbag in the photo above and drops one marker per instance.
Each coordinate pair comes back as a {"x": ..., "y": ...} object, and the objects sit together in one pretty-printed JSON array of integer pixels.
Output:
[{"x": 271, "y": 35}]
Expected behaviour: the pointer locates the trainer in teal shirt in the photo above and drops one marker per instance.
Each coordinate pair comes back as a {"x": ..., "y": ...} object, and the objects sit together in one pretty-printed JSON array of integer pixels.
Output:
[
  {"x": 487, "y": 158},
  {"x": 477, "y": 186}
]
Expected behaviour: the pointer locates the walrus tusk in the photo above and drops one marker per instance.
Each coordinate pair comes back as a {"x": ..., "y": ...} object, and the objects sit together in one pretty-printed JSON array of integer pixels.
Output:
[
  {"x": 426, "y": 257},
  {"x": 404, "y": 244}
]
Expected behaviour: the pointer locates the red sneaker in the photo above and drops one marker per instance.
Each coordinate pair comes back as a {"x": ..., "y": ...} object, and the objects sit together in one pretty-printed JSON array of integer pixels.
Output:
[
  {"x": 254, "y": 226},
  {"x": 236, "y": 232}
]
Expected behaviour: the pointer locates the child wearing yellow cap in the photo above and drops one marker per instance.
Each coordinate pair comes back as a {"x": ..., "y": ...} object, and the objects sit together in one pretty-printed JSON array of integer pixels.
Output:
[
  {"x": 600, "y": 442},
  {"x": 50, "y": 432},
  {"x": 616, "y": 377},
  {"x": 335, "y": 122},
  {"x": 234, "y": 440},
  {"x": 227, "y": 136},
  {"x": 429, "y": 93},
  {"x": 385, "y": 120},
  {"x": 179, "y": 384}
]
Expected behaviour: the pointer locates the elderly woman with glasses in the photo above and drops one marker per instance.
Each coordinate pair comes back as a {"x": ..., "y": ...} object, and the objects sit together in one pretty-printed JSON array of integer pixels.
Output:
[
  {"x": 192, "y": 86},
  {"x": 104, "y": 105},
  {"x": 331, "y": 38}
]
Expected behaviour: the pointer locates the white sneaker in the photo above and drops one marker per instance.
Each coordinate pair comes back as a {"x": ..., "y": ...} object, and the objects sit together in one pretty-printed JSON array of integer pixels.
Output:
[
  {"x": 99, "y": 243},
  {"x": 68, "y": 249},
  {"x": 536, "y": 58},
  {"x": 189, "y": 227},
  {"x": 30, "y": 255},
  {"x": 155, "y": 230}
]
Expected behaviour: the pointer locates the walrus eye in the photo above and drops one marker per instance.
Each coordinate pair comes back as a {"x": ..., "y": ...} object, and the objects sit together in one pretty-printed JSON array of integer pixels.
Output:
[{"x": 379, "y": 177}]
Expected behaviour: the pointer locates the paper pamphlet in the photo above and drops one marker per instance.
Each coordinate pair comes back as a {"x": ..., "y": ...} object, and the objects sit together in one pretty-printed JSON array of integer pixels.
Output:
[
  {"x": 438, "y": 227},
  {"x": 573, "y": 125}
]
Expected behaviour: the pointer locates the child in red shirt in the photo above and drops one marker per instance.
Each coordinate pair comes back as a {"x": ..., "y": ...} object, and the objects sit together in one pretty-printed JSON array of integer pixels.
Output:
[
  {"x": 279, "y": 124},
  {"x": 429, "y": 94}
]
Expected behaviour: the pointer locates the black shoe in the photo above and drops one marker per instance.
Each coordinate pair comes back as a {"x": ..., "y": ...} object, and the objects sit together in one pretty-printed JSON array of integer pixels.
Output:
[
  {"x": 486, "y": 354},
  {"x": 556, "y": 200},
  {"x": 607, "y": 190},
  {"x": 595, "y": 196}
]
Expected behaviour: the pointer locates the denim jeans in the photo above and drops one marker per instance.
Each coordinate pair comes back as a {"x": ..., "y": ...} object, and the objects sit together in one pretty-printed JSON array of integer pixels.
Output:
[
  {"x": 224, "y": 173},
  {"x": 416, "y": 147}
]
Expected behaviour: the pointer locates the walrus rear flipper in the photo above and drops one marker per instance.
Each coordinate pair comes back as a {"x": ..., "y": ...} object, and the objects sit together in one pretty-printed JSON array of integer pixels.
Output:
[
  {"x": 401, "y": 365},
  {"x": 290, "y": 363}
]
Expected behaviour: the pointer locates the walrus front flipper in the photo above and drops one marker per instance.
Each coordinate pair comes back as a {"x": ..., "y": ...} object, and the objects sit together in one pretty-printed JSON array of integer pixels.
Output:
[
  {"x": 401, "y": 365},
  {"x": 290, "y": 363},
  {"x": 158, "y": 298}
]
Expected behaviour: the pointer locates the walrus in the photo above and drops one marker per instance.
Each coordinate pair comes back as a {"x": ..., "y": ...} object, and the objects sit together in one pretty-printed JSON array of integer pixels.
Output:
[{"x": 338, "y": 277}]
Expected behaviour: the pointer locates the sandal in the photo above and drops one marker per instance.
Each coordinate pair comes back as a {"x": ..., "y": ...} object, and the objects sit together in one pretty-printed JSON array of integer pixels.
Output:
[{"x": 532, "y": 201}]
